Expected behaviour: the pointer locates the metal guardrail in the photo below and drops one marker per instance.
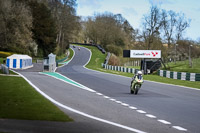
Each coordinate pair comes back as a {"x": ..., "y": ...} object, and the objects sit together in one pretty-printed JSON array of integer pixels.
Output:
[{"x": 107, "y": 58}]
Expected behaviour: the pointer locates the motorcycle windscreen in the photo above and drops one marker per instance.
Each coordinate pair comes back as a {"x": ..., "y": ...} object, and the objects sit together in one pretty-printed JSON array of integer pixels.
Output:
[{"x": 140, "y": 77}]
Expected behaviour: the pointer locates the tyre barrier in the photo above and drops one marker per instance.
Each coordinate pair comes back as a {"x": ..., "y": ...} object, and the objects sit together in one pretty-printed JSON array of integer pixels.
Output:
[
  {"x": 120, "y": 68},
  {"x": 179, "y": 75}
]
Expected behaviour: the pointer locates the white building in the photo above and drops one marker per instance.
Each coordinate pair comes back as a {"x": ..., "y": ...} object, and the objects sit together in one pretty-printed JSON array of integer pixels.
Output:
[{"x": 17, "y": 61}]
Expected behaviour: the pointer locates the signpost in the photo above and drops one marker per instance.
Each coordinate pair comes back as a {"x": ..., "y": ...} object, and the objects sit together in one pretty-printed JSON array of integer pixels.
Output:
[{"x": 143, "y": 54}]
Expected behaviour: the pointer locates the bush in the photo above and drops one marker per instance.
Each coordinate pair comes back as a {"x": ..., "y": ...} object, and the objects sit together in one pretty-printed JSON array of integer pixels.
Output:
[
  {"x": 5, "y": 54},
  {"x": 114, "y": 49},
  {"x": 114, "y": 60}
]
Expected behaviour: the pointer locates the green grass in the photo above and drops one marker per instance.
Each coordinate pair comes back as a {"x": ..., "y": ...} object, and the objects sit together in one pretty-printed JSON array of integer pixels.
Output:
[
  {"x": 1, "y": 60},
  {"x": 18, "y": 100},
  {"x": 69, "y": 58},
  {"x": 98, "y": 58},
  {"x": 60, "y": 57},
  {"x": 183, "y": 66},
  {"x": 11, "y": 72},
  {"x": 71, "y": 54},
  {"x": 136, "y": 67}
]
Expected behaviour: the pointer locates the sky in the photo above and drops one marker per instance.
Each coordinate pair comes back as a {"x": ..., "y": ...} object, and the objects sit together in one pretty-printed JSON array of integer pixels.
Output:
[{"x": 134, "y": 11}]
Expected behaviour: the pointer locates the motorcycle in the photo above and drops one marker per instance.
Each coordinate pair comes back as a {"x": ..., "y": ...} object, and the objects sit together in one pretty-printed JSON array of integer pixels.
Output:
[{"x": 136, "y": 84}]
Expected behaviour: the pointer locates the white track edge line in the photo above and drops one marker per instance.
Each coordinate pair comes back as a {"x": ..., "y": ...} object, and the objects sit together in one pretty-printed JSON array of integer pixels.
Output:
[
  {"x": 179, "y": 128},
  {"x": 130, "y": 77},
  {"x": 79, "y": 112}
]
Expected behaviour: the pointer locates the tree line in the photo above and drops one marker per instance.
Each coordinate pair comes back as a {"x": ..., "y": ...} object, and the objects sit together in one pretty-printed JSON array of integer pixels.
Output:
[
  {"x": 37, "y": 27},
  {"x": 161, "y": 30}
]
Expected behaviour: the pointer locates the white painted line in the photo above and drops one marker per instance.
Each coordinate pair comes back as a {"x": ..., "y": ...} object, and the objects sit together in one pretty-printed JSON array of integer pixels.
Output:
[
  {"x": 79, "y": 112},
  {"x": 118, "y": 102},
  {"x": 81, "y": 86},
  {"x": 141, "y": 111},
  {"x": 11, "y": 75},
  {"x": 99, "y": 94},
  {"x": 124, "y": 104},
  {"x": 113, "y": 99},
  {"x": 180, "y": 128},
  {"x": 89, "y": 58},
  {"x": 150, "y": 116},
  {"x": 130, "y": 77},
  {"x": 131, "y": 107},
  {"x": 67, "y": 62},
  {"x": 164, "y": 122},
  {"x": 106, "y": 97}
]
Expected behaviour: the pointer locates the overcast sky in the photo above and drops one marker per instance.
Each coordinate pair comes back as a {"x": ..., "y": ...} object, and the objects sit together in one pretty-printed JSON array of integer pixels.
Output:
[{"x": 134, "y": 10}]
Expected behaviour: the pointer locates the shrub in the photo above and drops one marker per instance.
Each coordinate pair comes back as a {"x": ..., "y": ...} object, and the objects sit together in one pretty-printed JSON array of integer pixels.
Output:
[
  {"x": 5, "y": 54},
  {"x": 114, "y": 60},
  {"x": 114, "y": 49}
]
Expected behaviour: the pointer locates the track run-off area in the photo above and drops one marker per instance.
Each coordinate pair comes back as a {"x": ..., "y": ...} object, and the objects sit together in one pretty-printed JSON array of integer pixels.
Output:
[{"x": 104, "y": 102}]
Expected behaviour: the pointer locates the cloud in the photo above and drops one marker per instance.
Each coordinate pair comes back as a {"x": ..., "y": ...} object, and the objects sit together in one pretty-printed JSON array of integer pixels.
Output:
[
  {"x": 93, "y": 4},
  {"x": 129, "y": 11},
  {"x": 160, "y": 2}
]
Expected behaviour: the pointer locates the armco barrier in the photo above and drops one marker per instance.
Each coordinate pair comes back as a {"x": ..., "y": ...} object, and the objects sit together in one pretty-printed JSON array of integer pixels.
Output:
[
  {"x": 119, "y": 68},
  {"x": 180, "y": 75}
]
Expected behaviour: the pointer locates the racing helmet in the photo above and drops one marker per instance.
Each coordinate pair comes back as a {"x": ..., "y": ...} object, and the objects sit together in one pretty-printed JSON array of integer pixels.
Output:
[{"x": 139, "y": 72}]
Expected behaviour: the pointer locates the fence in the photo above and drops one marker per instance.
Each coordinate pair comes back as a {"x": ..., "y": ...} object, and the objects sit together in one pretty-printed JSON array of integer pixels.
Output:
[
  {"x": 133, "y": 63},
  {"x": 180, "y": 75},
  {"x": 107, "y": 58},
  {"x": 120, "y": 68},
  {"x": 5, "y": 69}
]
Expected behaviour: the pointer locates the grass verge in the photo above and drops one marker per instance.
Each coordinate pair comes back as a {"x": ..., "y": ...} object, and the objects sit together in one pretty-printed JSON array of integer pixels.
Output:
[
  {"x": 18, "y": 100},
  {"x": 183, "y": 66},
  {"x": 69, "y": 57},
  {"x": 98, "y": 58},
  {"x": 1, "y": 60}
]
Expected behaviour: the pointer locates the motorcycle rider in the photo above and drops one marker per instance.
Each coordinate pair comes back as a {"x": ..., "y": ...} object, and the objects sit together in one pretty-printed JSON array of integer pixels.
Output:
[{"x": 138, "y": 75}]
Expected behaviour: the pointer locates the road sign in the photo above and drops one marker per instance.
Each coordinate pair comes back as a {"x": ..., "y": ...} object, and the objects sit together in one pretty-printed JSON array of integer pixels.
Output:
[{"x": 145, "y": 53}]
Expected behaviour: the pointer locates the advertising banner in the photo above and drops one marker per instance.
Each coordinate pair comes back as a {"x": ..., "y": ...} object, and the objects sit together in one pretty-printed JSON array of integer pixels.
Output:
[{"x": 145, "y": 53}]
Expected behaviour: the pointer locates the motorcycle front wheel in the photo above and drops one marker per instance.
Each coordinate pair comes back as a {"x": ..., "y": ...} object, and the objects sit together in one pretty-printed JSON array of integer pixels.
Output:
[
  {"x": 136, "y": 89},
  {"x": 131, "y": 91}
]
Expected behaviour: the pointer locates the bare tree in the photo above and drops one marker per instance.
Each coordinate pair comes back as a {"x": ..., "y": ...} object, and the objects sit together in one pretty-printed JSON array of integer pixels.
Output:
[
  {"x": 152, "y": 24},
  {"x": 169, "y": 24},
  {"x": 181, "y": 25}
]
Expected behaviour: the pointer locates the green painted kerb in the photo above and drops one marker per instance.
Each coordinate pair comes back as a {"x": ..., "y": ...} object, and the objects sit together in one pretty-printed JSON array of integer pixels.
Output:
[
  {"x": 64, "y": 62},
  {"x": 56, "y": 75}
]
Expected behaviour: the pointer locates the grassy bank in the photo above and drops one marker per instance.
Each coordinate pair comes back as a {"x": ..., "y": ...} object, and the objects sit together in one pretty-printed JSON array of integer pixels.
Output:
[
  {"x": 98, "y": 58},
  {"x": 1, "y": 60},
  {"x": 18, "y": 100},
  {"x": 183, "y": 66},
  {"x": 69, "y": 57}
]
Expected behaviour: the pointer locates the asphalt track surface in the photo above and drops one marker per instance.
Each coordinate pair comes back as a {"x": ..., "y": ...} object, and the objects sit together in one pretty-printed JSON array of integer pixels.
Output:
[
  {"x": 179, "y": 106},
  {"x": 158, "y": 108}
]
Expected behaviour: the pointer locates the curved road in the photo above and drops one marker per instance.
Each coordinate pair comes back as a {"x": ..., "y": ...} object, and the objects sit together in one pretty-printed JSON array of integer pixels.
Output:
[{"x": 171, "y": 108}]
